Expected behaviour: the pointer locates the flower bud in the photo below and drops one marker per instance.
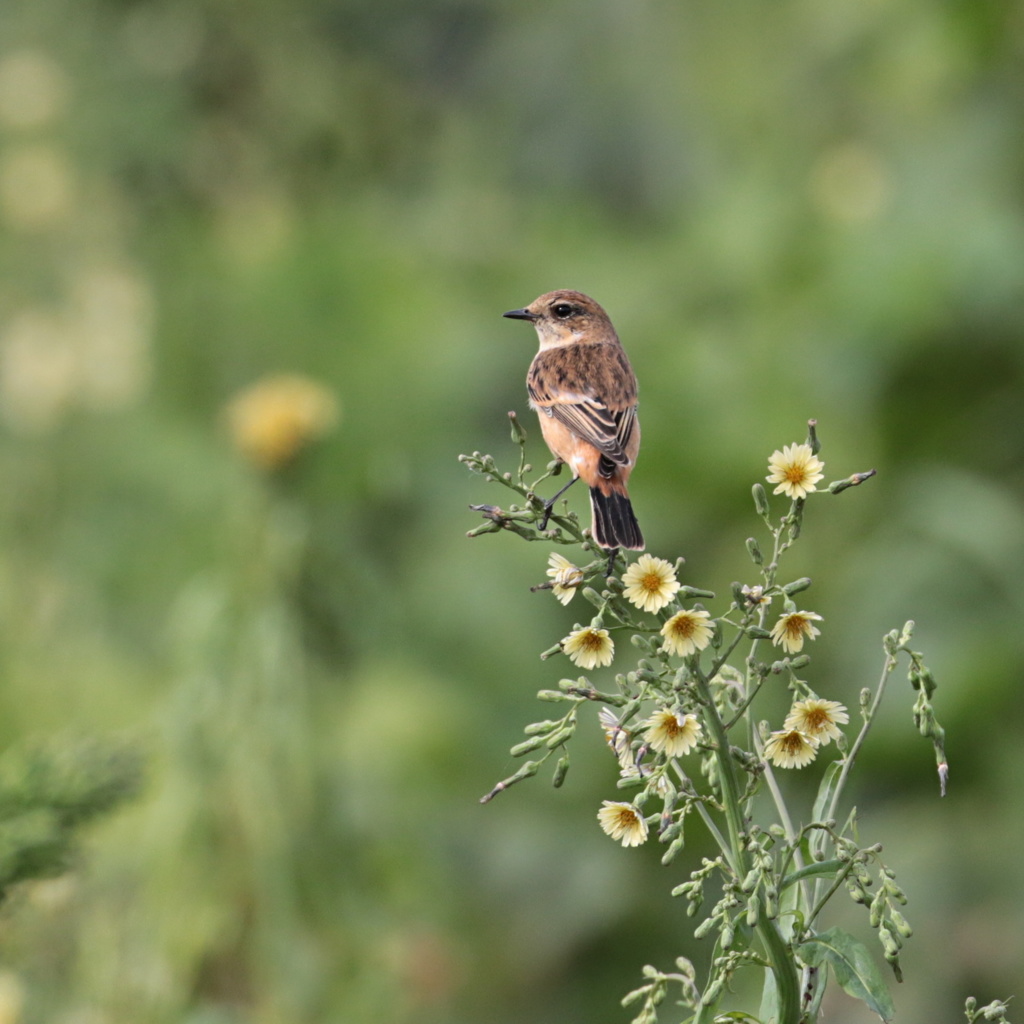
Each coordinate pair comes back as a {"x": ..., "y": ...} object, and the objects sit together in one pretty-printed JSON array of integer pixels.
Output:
[
  {"x": 900, "y": 923},
  {"x": 712, "y": 992},
  {"x": 561, "y": 770},
  {"x": 890, "y": 943},
  {"x": 526, "y": 746},
  {"x": 753, "y": 911},
  {"x": 518, "y": 433},
  {"x": 674, "y": 847},
  {"x": 760, "y": 500},
  {"x": 558, "y": 738},
  {"x": 540, "y": 727},
  {"x": 796, "y": 586},
  {"x": 754, "y": 551},
  {"x": 812, "y": 436}
]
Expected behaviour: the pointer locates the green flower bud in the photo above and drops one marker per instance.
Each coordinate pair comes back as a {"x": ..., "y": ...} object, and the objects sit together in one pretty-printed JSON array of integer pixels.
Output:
[
  {"x": 754, "y": 551},
  {"x": 900, "y": 923},
  {"x": 526, "y": 746},
  {"x": 812, "y": 437},
  {"x": 760, "y": 500},
  {"x": 558, "y": 738},
  {"x": 518, "y": 433},
  {"x": 674, "y": 847},
  {"x": 797, "y": 586},
  {"x": 561, "y": 770},
  {"x": 540, "y": 727},
  {"x": 753, "y": 911},
  {"x": 712, "y": 992}
]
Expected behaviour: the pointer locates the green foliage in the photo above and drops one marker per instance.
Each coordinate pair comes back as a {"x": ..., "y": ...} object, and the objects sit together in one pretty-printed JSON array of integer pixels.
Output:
[
  {"x": 787, "y": 210},
  {"x": 696, "y": 687},
  {"x": 47, "y": 792}
]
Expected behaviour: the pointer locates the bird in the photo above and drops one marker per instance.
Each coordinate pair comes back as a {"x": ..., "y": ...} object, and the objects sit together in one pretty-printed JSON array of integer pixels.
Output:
[{"x": 584, "y": 392}]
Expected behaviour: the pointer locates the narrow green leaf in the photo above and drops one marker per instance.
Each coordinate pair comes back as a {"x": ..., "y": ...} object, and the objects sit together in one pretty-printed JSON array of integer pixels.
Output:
[
  {"x": 827, "y": 790},
  {"x": 821, "y": 867},
  {"x": 769, "y": 1009},
  {"x": 852, "y": 966}
]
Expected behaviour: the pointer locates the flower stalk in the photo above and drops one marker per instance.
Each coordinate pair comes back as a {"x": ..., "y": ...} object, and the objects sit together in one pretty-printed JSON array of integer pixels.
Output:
[{"x": 691, "y": 698}]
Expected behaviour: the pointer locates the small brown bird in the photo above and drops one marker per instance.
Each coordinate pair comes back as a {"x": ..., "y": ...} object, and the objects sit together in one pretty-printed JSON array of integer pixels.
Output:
[{"x": 584, "y": 391}]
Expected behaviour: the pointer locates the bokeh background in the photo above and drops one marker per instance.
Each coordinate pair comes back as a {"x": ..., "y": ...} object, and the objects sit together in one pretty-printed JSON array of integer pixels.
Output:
[{"x": 804, "y": 208}]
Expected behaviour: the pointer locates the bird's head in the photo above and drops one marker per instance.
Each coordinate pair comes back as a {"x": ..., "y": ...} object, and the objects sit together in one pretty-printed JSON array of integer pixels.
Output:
[{"x": 566, "y": 317}]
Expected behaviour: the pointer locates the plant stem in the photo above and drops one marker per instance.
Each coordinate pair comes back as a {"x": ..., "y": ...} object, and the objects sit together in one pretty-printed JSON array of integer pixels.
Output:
[{"x": 776, "y": 949}]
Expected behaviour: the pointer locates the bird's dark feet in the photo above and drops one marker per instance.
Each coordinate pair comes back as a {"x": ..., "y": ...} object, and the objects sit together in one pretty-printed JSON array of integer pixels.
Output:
[
  {"x": 550, "y": 503},
  {"x": 548, "y": 506},
  {"x": 612, "y": 554}
]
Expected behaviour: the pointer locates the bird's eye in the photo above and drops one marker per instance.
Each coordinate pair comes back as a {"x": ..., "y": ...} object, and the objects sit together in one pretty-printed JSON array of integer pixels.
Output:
[{"x": 563, "y": 311}]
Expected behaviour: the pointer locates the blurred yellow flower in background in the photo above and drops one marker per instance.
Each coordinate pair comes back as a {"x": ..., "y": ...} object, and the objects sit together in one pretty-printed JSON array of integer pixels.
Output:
[{"x": 274, "y": 419}]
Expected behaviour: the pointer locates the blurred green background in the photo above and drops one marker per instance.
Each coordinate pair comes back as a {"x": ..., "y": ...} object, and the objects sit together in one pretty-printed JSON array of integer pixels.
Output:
[{"x": 790, "y": 209}]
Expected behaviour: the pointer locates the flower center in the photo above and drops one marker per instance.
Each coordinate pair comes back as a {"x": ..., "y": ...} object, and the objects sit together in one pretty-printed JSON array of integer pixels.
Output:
[
  {"x": 793, "y": 743},
  {"x": 651, "y": 583}
]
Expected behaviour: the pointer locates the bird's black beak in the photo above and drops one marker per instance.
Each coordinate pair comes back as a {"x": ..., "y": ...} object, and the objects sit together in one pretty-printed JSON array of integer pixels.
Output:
[{"x": 521, "y": 314}]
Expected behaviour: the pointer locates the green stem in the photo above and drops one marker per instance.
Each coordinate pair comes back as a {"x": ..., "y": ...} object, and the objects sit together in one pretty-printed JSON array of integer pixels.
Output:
[
  {"x": 830, "y": 813},
  {"x": 777, "y": 952}
]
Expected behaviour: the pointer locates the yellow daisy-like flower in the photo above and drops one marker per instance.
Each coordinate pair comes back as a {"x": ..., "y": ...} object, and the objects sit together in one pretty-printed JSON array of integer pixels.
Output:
[
  {"x": 274, "y": 419},
  {"x": 687, "y": 632},
  {"x": 589, "y": 647},
  {"x": 796, "y": 470},
  {"x": 790, "y": 748},
  {"x": 790, "y": 630},
  {"x": 623, "y": 822},
  {"x": 818, "y": 719},
  {"x": 565, "y": 577},
  {"x": 671, "y": 733},
  {"x": 650, "y": 583}
]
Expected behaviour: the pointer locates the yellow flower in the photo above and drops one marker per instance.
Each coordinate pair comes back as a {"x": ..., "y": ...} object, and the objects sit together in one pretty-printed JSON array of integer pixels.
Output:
[
  {"x": 790, "y": 630},
  {"x": 672, "y": 733},
  {"x": 818, "y": 719},
  {"x": 650, "y": 583},
  {"x": 687, "y": 632},
  {"x": 796, "y": 470},
  {"x": 791, "y": 748},
  {"x": 589, "y": 647},
  {"x": 565, "y": 577},
  {"x": 275, "y": 418},
  {"x": 623, "y": 822}
]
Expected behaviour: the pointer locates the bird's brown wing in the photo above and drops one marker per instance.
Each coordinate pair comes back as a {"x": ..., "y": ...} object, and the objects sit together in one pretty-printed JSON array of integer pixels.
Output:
[{"x": 568, "y": 388}]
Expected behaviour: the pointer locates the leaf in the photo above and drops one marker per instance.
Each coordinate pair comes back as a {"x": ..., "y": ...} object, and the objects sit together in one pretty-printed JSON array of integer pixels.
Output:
[
  {"x": 769, "y": 1010},
  {"x": 821, "y": 867},
  {"x": 852, "y": 966},
  {"x": 827, "y": 789}
]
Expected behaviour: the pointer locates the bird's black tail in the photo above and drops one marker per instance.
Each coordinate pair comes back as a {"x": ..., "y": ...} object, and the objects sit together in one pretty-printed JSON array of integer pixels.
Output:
[{"x": 614, "y": 525}]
